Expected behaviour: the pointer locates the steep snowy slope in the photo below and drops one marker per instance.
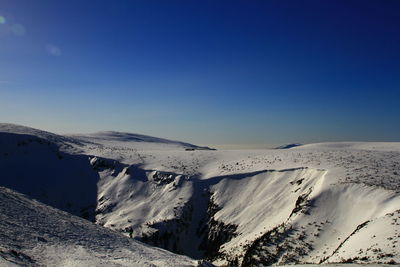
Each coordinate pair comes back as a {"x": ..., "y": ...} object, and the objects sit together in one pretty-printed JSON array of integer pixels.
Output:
[
  {"x": 36, "y": 163},
  {"x": 33, "y": 234},
  {"x": 50, "y": 137},
  {"x": 52, "y": 168}
]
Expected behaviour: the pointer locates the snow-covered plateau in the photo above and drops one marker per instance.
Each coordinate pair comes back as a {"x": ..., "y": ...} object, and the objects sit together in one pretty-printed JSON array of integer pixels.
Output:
[{"x": 72, "y": 200}]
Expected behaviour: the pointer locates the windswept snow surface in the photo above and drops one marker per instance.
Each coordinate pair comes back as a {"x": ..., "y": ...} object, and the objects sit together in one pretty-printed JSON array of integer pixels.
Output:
[
  {"x": 33, "y": 234},
  {"x": 51, "y": 137},
  {"x": 316, "y": 203}
]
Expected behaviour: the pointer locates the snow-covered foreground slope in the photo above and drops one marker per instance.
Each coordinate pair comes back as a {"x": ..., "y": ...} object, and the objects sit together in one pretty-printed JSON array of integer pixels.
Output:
[
  {"x": 33, "y": 234},
  {"x": 317, "y": 203}
]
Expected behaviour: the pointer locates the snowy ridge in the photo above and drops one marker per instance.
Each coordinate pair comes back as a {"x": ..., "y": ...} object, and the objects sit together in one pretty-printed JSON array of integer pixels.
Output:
[
  {"x": 51, "y": 137},
  {"x": 128, "y": 140}
]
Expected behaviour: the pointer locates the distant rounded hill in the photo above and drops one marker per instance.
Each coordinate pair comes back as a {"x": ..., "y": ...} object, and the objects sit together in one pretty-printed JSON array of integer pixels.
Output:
[{"x": 123, "y": 137}]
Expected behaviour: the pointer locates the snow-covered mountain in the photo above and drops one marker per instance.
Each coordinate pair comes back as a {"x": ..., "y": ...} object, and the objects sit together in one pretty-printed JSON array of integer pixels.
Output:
[
  {"x": 316, "y": 203},
  {"x": 134, "y": 141}
]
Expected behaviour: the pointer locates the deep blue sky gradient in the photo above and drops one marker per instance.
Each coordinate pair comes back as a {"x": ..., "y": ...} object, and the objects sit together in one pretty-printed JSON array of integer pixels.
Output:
[{"x": 204, "y": 71}]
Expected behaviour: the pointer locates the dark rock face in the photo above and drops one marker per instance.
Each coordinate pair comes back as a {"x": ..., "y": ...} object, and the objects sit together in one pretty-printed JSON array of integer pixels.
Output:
[
  {"x": 169, "y": 233},
  {"x": 282, "y": 243},
  {"x": 302, "y": 204},
  {"x": 213, "y": 234},
  {"x": 100, "y": 164},
  {"x": 163, "y": 178},
  {"x": 216, "y": 233}
]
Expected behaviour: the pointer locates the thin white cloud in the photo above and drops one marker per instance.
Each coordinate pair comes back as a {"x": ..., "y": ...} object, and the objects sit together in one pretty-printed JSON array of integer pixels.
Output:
[
  {"x": 53, "y": 50},
  {"x": 18, "y": 29}
]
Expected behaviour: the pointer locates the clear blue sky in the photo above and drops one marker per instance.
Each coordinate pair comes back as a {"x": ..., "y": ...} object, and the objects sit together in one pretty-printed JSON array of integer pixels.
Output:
[{"x": 216, "y": 72}]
